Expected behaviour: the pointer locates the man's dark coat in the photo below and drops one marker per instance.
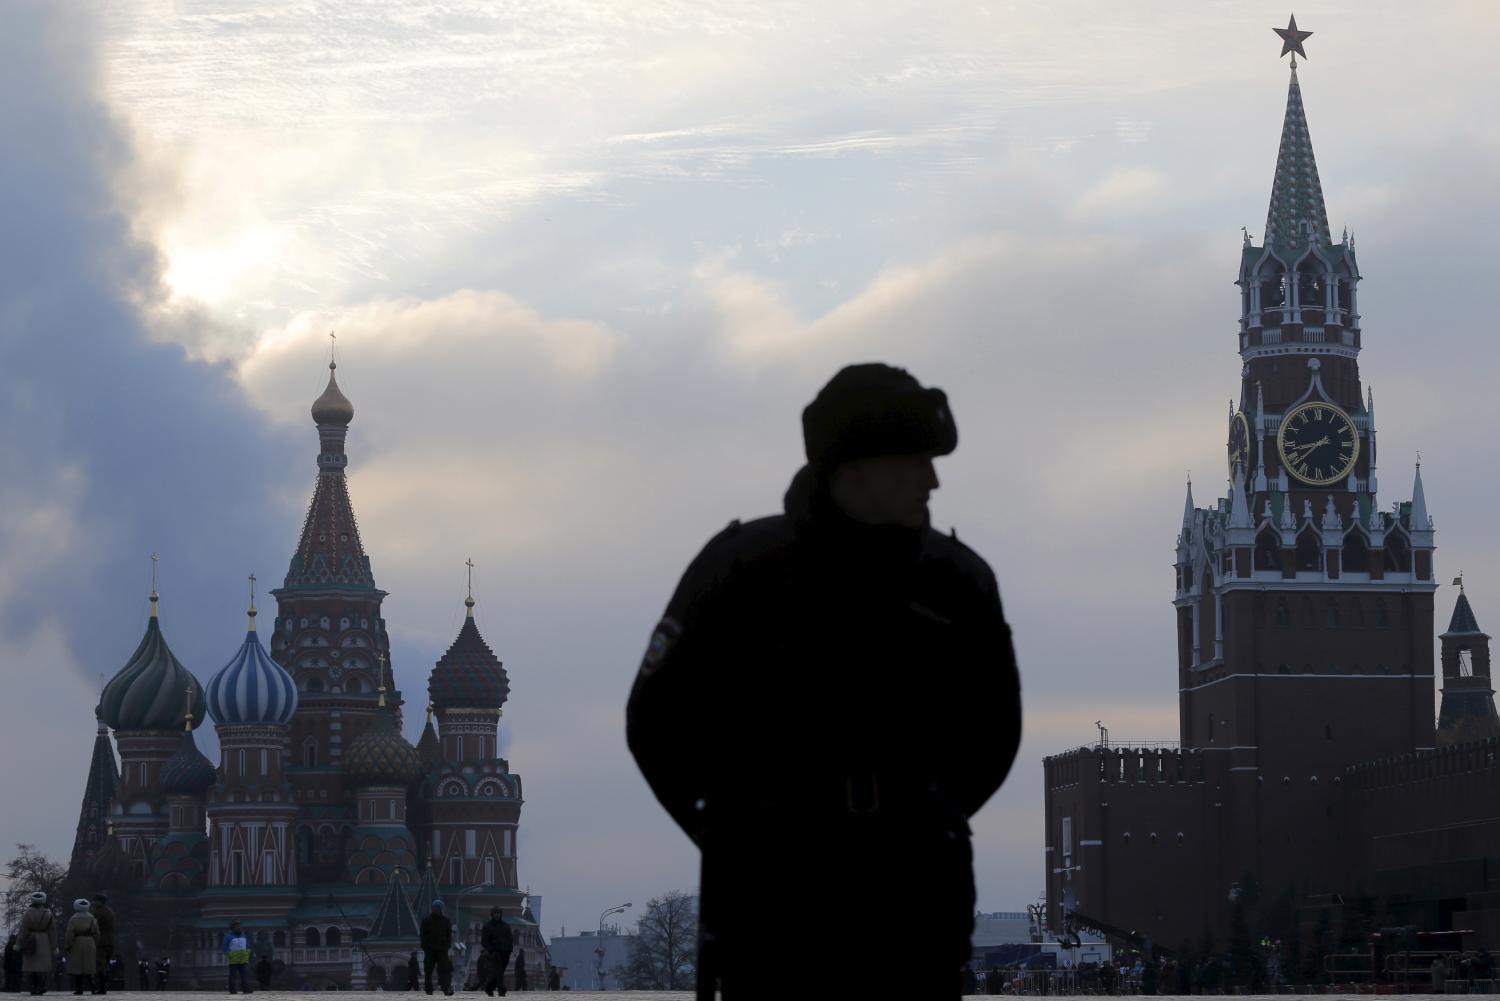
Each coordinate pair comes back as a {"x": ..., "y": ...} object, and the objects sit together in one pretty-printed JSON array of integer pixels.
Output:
[{"x": 822, "y": 708}]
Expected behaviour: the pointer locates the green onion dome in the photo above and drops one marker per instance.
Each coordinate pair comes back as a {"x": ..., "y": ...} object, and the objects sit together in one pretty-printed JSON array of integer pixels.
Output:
[
  {"x": 187, "y": 772},
  {"x": 147, "y": 693},
  {"x": 380, "y": 755}
]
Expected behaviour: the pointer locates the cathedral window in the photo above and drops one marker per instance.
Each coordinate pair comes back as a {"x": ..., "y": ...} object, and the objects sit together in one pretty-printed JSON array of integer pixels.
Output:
[
  {"x": 455, "y": 870},
  {"x": 333, "y": 937},
  {"x": 310, "y": 753},
  {"x": 312, "y": 939},
  {"x": 471, "y": 843},
  {"x": 1331, "y": 615},
  {"x": 1382, "y": 617},
  {"x": 489, "y": 872},
  {"x": 1283, "y": 614},
  {"x": 508, "y": 848}
]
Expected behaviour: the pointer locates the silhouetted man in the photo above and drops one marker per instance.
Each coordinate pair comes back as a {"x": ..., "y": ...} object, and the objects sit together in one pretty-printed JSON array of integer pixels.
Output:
[
  {"x": 497, "y": 941},
  {"x": 795, "y": 709},
  {"x": 437, "y": 939}
]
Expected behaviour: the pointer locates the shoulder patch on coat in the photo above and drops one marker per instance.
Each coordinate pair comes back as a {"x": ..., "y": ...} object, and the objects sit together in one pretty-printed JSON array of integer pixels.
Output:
[{"x": 662, "y": 639}]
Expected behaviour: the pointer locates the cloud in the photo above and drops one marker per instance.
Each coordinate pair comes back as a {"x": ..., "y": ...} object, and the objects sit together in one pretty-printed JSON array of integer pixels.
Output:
[
  {"x": 114, "y": 444},
  {"x": 1125, "y": 191}
]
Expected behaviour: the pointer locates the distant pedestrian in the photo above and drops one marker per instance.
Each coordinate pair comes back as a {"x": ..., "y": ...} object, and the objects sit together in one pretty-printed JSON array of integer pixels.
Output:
[
  {"x": 237, "y": 955},
  {"x": 105, "y": 915},
  {"x": 497, "y": 941},
  {"x": 521, "y": 984},
  {"x": 35, "y": 940},
  {"x": 143, "y": 968},
  {"x": 80, "y": 944},
  {"x": 12, "y": 965},
  {"x": 1439, "y": 976},
  {"x": 1148, "y": 978},
  {"x": 263, "y": 971},
  {"x": 163, "y": 971},
  {"x": 437, "y": 939},
  {"x": 413, "y": 973},
  {"x": 554, "y": 979}
]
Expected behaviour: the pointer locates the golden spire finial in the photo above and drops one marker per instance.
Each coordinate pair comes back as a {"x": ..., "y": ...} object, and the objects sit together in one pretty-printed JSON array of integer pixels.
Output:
[
  {"x": 333, "y": 343},
  {"x": 154, "y": 596},
  {"x": 251, "y": 612},
  {"x": 187, "y": 709},
  {"x": 469, "y": 601},
  {"x": 381, "y": 657}
]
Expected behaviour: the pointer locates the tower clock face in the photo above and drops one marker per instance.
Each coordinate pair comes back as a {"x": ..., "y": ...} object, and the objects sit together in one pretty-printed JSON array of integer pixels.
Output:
[
  {"x": 1318, "y": 443},
  {"x": 1239, "y": 443}
]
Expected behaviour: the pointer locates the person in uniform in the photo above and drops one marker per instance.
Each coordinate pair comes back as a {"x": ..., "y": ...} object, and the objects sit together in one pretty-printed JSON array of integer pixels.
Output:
[
  {"x": 80, "y": 946},
  {"x": 36, "y": 941},
  {"x": 799, "y": 709}
]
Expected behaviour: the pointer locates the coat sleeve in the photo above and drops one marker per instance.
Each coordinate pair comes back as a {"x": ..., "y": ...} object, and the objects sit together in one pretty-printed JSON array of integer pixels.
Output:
[
  {"x": 986, "y": 752},
  {"x": 667, "y": 722}
]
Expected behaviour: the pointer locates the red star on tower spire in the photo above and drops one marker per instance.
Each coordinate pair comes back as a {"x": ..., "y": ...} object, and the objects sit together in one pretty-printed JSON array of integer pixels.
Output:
[{"x": 1292, "y": 39}]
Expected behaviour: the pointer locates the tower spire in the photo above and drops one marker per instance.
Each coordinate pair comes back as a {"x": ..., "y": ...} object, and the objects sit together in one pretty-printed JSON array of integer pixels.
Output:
[
  {"x": 154, "y": 596},
  {"x": 469, "y": 601},
  {"x": 250, "y": 612},
  {"x": 1297, "y": 215}
]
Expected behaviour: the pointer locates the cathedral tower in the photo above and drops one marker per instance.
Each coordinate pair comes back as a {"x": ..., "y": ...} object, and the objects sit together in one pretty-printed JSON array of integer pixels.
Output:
[{"x": 329, "y": 635}]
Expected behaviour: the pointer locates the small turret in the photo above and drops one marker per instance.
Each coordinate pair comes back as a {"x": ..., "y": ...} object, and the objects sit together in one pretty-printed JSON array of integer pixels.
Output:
[{"x": 1467, "y": 712}]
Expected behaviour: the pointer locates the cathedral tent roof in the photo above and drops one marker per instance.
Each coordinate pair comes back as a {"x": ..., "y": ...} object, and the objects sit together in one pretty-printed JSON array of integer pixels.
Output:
[
  {"x": 104, "y": 778},
  {"x": 395, "y": 921},
  {"x": 427, "y": 892}
]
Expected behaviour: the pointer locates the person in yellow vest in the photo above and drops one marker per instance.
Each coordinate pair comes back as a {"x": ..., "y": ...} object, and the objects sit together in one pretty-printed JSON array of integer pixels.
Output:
[{"x": 237, "y": 954}]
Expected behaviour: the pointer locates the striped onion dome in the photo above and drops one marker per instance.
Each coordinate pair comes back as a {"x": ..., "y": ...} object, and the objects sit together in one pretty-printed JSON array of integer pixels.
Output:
[
  {"x": 147, "y": 693},
  {"x": 252, "y": 688}
]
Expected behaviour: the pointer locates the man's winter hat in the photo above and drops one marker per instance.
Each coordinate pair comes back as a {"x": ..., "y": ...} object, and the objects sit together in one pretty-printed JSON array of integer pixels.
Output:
[
  {"x": 437, "y": 905},
  {"x": 38, "y": 898},
  {"x": 874, "y": 409},
  {"x": 81, "y": 904},
  {"x": 102, "y": 898}
]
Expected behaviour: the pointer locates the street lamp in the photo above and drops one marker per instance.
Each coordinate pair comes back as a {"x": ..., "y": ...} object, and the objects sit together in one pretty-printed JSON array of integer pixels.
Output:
[
  {"x": 458, "y": 914},
  {"x": 599, "y": 949}
]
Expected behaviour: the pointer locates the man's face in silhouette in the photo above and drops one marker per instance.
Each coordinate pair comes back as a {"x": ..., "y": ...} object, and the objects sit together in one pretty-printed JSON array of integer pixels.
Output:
[{"x": 885, "y": 490}]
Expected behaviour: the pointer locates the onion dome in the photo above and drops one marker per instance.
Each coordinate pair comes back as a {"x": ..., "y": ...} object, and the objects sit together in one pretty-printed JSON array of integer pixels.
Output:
[
  {"x": 252, "y": 688},
  {"x": 333, "y": 407},
  {"x": 469, "y": 675},
  {"x": 380, "y": 755},
  {"x": 147, "y": 692},
  {"x": 187, "y": 772}
]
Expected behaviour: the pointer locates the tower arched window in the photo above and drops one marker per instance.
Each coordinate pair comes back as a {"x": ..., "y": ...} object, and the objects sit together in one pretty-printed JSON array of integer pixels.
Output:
[
  {"x": 1397, "y": 553},
  {"x": 1268, "y": 549},
  {"x": 1273, "y": 293},
  {"x": 333, "y": 937},
  {"x": 1382, "y": 617},
  {"x": 1331, "y": 615},
  {"x": 310, "y": 753},
  {"x": 1311, "y": 291},
  {"x": 312, "y": 939},
  {"x": 1309, "y": 552},
  {"x": 1283, "y": 614},
  {"x": 1356, "y": 552}
]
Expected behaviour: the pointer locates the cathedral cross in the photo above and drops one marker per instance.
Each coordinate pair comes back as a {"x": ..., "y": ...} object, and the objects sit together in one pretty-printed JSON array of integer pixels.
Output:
[{"x": 470, "y": 564}]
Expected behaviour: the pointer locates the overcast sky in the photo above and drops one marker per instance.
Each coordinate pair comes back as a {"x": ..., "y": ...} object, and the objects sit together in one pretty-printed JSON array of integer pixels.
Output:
[{"x": 588, "y": 259}]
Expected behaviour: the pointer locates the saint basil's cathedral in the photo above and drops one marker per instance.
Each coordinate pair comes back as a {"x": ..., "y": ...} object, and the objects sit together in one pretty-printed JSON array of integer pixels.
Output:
[{"x": 320, "y": 829}]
